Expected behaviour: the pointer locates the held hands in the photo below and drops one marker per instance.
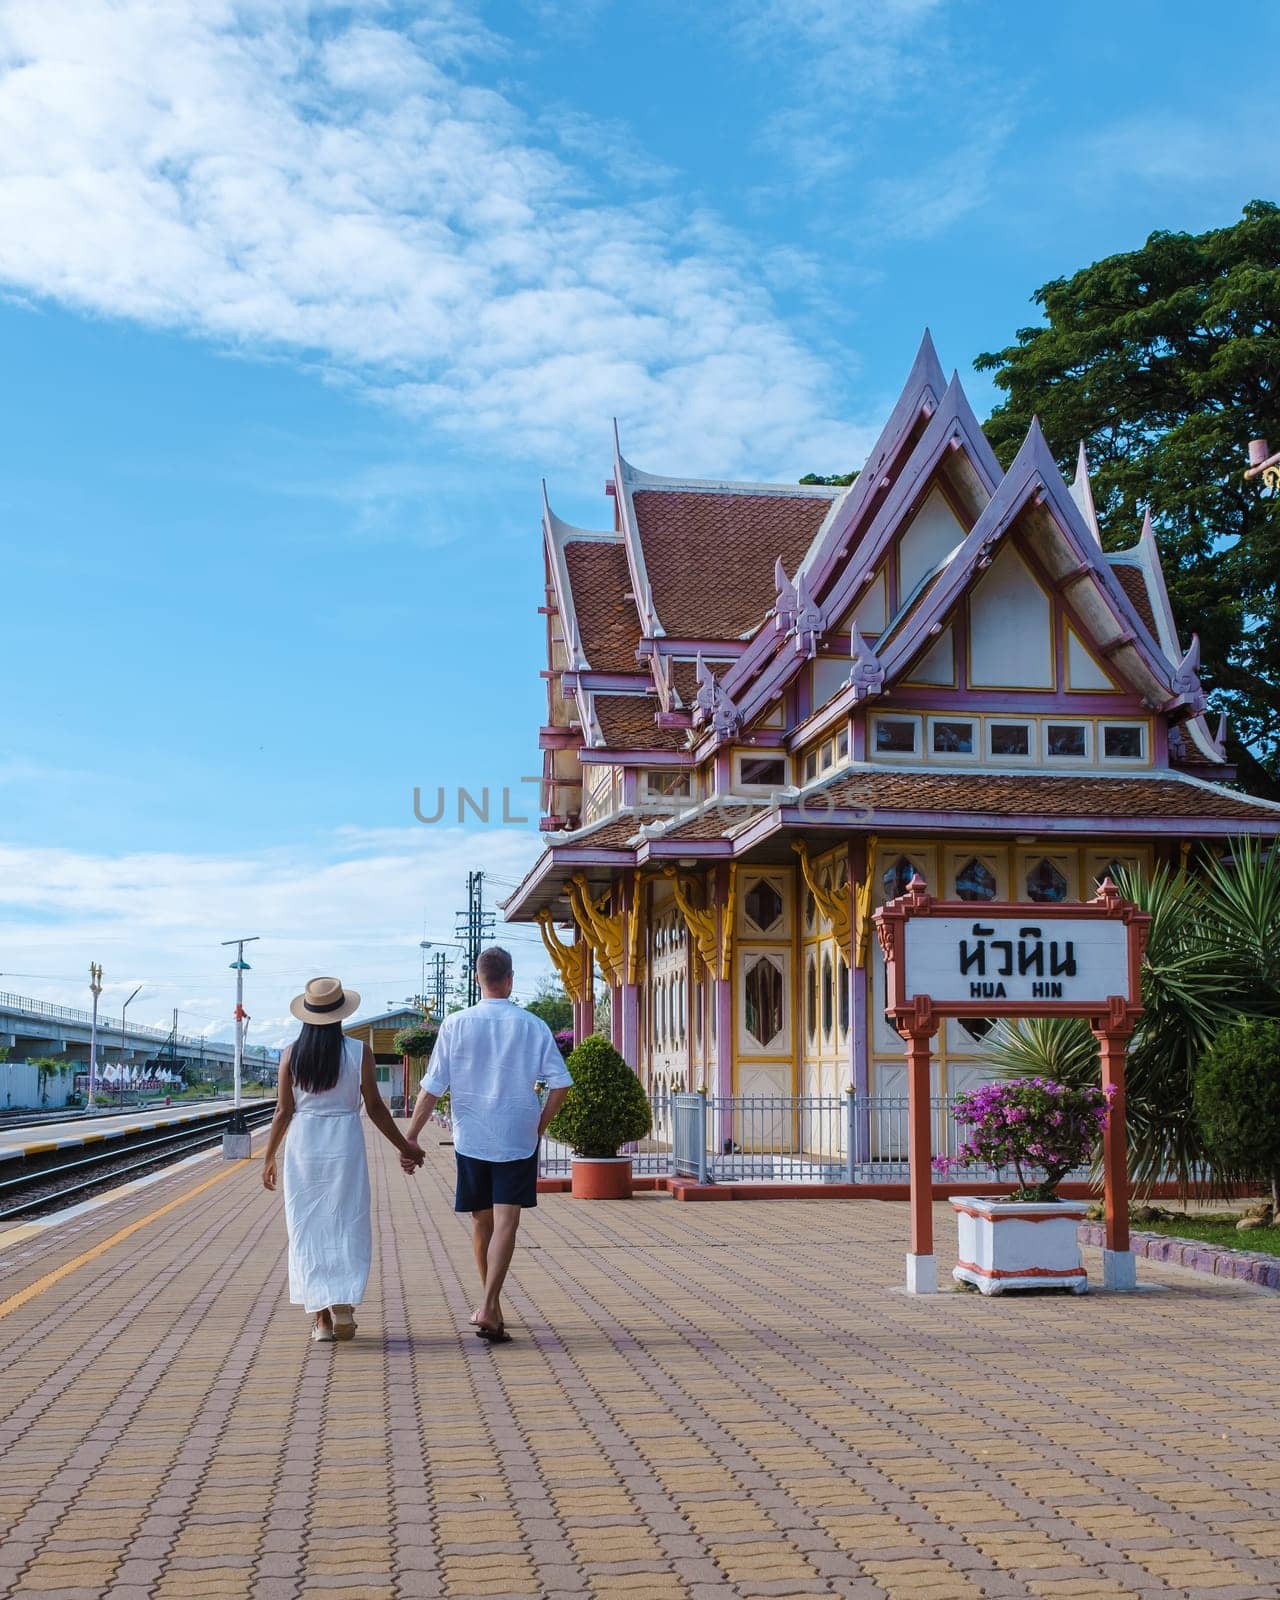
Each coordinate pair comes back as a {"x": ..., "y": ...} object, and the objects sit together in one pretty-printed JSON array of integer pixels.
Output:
[
  {"x": 413, "y": 1158},
  {"x": 269, "y": 1174}
]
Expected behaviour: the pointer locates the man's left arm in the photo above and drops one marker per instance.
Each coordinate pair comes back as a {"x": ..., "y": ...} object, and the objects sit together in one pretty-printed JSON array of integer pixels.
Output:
[{"x": 553, "y": 1072}]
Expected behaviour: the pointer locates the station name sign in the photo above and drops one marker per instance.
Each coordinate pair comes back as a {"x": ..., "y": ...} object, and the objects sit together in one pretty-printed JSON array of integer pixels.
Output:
[
  {"x": 1007, "y": 959},
  {"x": 956, "y": 959}
]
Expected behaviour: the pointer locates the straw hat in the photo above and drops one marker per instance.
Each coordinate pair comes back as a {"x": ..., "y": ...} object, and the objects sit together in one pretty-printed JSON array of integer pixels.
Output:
[{"x": 324, "y": 1001}]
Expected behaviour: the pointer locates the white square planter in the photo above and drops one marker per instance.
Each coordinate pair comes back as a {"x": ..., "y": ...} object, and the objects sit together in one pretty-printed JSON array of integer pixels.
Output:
[{"x": 1016, "y": 1244}]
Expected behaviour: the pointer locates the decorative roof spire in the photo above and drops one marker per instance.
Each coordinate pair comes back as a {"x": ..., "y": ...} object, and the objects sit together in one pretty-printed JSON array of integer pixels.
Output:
[
  {"x": 1082, "y": 494},
  {"x": 867, "y": 674},
  {"x": 1186, "y": 679},
  {"x": 1220, "y": 737},
  {"x": 713, "y": 705}
]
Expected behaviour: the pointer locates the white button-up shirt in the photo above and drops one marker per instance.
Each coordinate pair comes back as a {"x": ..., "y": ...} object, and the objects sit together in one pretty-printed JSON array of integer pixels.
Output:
[{"x": 489, "y": 1057}]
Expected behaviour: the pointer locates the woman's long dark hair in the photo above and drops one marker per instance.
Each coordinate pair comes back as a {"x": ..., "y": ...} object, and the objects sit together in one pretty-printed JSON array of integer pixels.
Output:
[{"x": 315, "y": 1057}]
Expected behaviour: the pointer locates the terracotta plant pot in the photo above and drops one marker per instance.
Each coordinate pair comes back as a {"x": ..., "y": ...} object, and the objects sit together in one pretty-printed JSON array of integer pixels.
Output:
[
  {"x": 1008, "y": 1244},
  {"x": 602, "y": 1178}
]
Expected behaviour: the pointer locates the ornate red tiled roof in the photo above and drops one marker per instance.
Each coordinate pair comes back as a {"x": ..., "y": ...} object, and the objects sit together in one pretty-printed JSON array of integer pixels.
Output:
[
  {"x": 1017, "y": 794},
  {"x": 616, "y": 834},
  {"x": 1134, "y": 583},
  {"x": 684, "y": 678},
  {"x": 716, "y": 822},
  {"x": 608, "y": 623},
  {"x": 627, "y": 722},
  {"x": 709, "y": 554}
]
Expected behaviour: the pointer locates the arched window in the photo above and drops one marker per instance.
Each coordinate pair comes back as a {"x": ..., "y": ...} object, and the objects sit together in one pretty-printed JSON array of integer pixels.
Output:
[
  {"x": 843, "y": 1003},
  {"x": 763, "y": 1000},
  {"x": 975, "y": 881},
  {"x": 828, "y": 997},
  {"x": 1045, "y": 883},
  {"x": 811, "y": 999},
  {"x": 898, "y": 876}
]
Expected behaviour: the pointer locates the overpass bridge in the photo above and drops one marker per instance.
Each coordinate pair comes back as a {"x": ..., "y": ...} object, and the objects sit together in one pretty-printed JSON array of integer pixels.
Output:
[{"x": 39, "y": 1028}]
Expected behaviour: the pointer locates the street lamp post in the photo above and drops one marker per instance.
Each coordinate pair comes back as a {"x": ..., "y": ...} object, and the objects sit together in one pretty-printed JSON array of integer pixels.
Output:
[
  {"x": 95, "y": 989},
  {"x": 124, "y": 1042},
  {"x": 237, "y": 1140}
]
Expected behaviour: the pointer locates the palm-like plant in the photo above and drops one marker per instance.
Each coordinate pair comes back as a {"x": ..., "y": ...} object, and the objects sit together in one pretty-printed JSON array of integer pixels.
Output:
[{"x": 1212, "y": 955}]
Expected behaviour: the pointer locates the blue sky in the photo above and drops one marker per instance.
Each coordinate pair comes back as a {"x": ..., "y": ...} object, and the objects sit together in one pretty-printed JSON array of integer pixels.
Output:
[{"x": 299, "y": 302}]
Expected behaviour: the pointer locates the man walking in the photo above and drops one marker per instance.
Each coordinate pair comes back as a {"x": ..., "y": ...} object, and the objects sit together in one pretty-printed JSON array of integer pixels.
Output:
[{"x": 489, "y": 1057}]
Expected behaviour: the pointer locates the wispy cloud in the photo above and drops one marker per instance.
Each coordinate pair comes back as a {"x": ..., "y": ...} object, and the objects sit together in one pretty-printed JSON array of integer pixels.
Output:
[
  {"x": 291, "y": 176},
  {"x": 846, "y": 74},
  {"x": 356, "y": 905}
]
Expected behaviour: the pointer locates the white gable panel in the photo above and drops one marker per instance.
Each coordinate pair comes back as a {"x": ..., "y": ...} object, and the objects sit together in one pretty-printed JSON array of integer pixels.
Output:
[
  {"x": 871, "y": 612},
  {"x": 829, "y": 677},
  {"x": 931, "y": 536},
  {"x": 1083, "y": 672},
  {"x": 1010, "y": 628},
  {"x": 938, "y": 665}
]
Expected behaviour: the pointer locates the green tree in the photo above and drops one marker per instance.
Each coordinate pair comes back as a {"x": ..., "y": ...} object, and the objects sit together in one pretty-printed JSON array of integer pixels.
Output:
[
  {"x": 552, "y": 1004},
  {"x": 1165, "y": 361},
  {"x": 1238, "y": 1102},
  {"x": 840, "y": 480}
]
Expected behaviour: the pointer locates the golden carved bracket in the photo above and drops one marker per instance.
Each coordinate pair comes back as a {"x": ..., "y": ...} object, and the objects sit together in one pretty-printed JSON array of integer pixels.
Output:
[
  {"x": 635, "y": 916},
  {"x": 862, "y": 906},
  {"x": 701, "y": 924},
  {"x": 713, "y": 935},
  {"x": 832, "y": 903},
  {"x": 601, "y": 931},
  {"x": 563, "y": 956}
]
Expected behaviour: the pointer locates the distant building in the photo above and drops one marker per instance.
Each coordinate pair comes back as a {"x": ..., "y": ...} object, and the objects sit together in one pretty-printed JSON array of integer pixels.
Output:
[
  {"x": 379, "y": 1033},
  {"x": 769, "y": 705}
]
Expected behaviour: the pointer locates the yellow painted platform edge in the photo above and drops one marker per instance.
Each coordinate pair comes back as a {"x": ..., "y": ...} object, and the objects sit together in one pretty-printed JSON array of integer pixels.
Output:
[{"x": 16, "y": 1301}]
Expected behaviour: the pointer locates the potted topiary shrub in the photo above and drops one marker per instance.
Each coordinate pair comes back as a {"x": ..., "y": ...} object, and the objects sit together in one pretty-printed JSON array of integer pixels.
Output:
[
  {"x": 1029, "y": 1240},
  {"x": 605, "y": 1109}
]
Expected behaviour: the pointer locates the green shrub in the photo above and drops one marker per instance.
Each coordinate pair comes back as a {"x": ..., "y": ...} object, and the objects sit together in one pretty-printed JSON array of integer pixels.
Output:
[
  {"x": 1237, "y": 1099},
  {"x": 607, "y": 1106}
]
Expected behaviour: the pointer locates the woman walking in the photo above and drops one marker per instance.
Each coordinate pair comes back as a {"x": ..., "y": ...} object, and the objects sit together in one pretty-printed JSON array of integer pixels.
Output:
[{"x": 323, "y": 1077}]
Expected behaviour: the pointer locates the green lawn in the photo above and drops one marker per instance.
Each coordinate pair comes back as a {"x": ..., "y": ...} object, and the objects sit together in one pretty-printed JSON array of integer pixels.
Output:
[{"x": 1218, "y": 1229}]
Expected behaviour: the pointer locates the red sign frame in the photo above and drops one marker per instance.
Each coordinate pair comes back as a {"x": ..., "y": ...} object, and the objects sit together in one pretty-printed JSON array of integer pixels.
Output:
[{"x": 1111, "y": 1018}]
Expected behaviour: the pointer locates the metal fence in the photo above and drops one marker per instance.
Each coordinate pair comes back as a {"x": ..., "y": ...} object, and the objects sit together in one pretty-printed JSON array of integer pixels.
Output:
[
  {"x": 809, "y": 1138},
  {"x": 652, "y": 1156},
  {"x": 784, "y": 1139}
]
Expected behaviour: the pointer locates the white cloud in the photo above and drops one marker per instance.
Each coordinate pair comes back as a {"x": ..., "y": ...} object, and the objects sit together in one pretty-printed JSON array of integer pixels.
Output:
[
  {"x": 848, "y": 76},
  {"x": 356, "y": 906},
  {"x": 275, "y": 177}
]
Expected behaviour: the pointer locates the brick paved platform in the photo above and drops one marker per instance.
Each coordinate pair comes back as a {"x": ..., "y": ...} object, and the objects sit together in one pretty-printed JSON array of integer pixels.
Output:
[{"x": 702, "y": 1401}]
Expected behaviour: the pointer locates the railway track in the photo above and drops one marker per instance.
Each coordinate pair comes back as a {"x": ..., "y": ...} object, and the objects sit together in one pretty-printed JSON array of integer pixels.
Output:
[{"x": 64, "y": 1177}]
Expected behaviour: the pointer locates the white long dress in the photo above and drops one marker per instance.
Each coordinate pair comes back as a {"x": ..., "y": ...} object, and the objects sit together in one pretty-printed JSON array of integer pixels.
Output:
[{"x": 326, "y": 1192}]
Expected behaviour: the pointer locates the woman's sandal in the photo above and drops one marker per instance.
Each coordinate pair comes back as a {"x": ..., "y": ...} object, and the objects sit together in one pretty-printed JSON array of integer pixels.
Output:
[
  {"x": 344, "y": 1322},
  {"x": 321, "y": 1334},
  {"x": 498, "y": 1335}
]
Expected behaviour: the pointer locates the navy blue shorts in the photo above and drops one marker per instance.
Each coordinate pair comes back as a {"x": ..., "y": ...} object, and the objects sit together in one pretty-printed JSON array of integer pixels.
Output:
[{"x": 483, "y": 1184}]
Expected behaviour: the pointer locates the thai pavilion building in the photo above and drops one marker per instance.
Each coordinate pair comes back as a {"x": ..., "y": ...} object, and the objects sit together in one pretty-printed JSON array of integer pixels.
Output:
[{"x": 768, "y": 705}]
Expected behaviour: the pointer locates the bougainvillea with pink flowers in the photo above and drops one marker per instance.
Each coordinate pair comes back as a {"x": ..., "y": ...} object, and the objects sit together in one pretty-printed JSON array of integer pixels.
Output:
[{"x": 1029, "y": 1124}]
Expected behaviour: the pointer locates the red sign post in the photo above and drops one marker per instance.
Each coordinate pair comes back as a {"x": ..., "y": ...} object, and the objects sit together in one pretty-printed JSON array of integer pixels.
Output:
[{"x": 965, "y": 958}]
